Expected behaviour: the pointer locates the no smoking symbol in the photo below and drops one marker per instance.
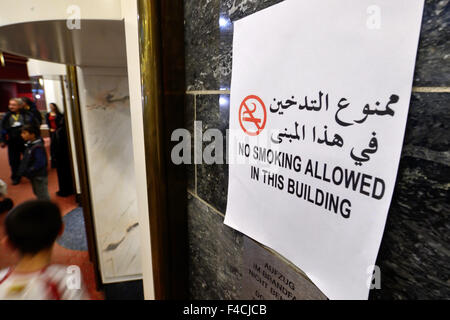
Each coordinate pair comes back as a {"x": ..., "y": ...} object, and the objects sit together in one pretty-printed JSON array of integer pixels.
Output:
[{"x": 252, "y": 115}]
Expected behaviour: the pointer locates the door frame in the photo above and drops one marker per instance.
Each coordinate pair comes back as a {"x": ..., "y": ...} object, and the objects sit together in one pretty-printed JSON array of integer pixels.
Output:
[{"x": 81, "y": 158}]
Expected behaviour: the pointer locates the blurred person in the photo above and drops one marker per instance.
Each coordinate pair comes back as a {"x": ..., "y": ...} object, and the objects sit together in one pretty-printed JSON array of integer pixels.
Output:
[
  {"x": 31, "y": 107},
  {"x": 5, "y": 203},
  {"x": 31, "y": 230},
  {"x": 63, "y": 163},
  {"x": 54, "y": 120},
  {"x": 34, "y": 162},
  {"x": 12, "y": 124}
]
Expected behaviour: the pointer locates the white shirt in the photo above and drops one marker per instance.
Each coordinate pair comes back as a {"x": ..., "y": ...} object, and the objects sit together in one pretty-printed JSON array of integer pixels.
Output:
[{"x": 51, "y": 283}]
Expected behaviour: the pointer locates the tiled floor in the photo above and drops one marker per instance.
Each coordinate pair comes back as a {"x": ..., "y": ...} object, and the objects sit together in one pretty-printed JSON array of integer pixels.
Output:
[{"x": 61, "y": 255}]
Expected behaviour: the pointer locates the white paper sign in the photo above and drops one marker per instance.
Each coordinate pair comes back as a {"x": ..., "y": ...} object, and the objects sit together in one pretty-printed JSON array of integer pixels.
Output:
[{"x": 319, "y": 100}]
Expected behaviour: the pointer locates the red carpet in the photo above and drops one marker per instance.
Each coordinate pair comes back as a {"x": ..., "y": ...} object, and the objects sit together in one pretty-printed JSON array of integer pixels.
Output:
[{"x": 23, "y": 192}]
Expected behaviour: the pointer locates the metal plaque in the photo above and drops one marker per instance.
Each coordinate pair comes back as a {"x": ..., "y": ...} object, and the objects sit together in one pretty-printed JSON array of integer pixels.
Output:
[{"x": 267, "y": 277}]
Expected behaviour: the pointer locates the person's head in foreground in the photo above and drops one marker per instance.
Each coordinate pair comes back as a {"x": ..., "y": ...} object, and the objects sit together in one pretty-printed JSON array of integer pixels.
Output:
[
  {"x": 31, "y": 230},
  {"x": 33, "y": 226}
]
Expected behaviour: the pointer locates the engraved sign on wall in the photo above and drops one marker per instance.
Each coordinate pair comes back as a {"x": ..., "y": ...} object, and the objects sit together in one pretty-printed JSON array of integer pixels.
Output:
[{"x": 266, "y": 277}]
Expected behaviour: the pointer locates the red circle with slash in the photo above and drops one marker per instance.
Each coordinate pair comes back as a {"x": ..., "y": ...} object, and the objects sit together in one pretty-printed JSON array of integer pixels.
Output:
[{"x": 246, "y": 115}]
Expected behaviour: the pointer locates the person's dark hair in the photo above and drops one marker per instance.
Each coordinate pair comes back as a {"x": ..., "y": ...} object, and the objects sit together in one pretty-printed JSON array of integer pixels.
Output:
[
  {"x": 33, "y": 226},
  {"x": 56, "y": 108},
  {"x": 29, "y": 102},
  {"x": 32, "y": 129}
]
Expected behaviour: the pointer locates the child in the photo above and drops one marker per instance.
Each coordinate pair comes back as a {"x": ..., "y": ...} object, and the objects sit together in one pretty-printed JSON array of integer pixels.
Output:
[
  {"x": 5, "y": 203},
  {"x": 32, "y": 228},
  {"x": 34, "y": 162}
]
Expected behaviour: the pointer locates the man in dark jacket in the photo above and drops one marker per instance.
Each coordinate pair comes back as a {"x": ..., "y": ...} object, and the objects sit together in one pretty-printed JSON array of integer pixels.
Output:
[
  {"x": 12, "y": 124},
  {"x": 34, "y": 162}
]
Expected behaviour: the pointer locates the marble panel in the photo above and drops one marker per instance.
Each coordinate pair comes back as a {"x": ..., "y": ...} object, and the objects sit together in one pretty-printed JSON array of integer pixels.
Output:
[
  {"x": 208, "y": 45},
  {"x": 212, "y": 179},
  {"x": 107, "y": 131},
  {"x": 414, "y": 257},
  {"x": 189, "y": 113},
  {"x": 428, "y": 127},
  {"x": 215, "y": 255},
  {"x": 209, "y": 40},
  {"x": 433, "y": 57}
]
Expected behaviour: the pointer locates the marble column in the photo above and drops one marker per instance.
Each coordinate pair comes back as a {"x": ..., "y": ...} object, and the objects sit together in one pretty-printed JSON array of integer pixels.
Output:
[{"x": 106, "y": 122}]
